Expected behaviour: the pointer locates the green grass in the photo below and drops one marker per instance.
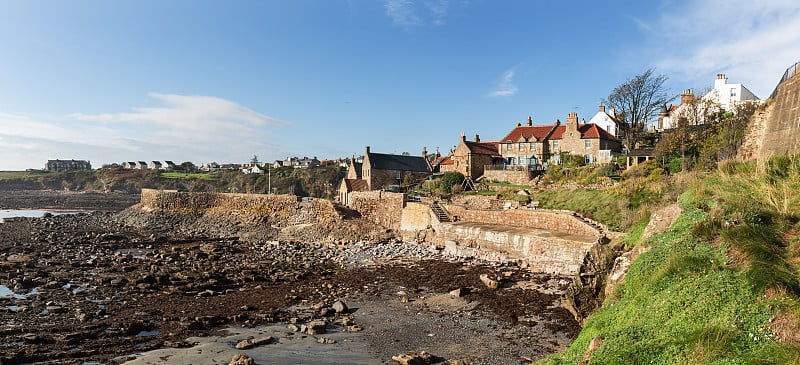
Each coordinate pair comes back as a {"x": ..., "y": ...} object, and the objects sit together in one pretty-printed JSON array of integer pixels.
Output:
[
  {"x": 196, "y": 175},
  {"x": 705, "y": 292},
  {"x": 8, "y": 175}
]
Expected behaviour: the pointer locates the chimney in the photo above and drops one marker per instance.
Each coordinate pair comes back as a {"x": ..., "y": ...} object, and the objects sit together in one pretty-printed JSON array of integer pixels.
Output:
[
  {"x": 530, "y": 121},
  {"x": 463, "y": 137},
  {"x": 602, "y": 108},
  {"x": 612, "y": 112},
  {"x": 687, "y": 96},
  {"x": 367, "y": 150},
  {"x": 572, "y": 122},
  {"x": 557, "y": 123},
  {"x": 720, "y": 81},
  {"x": 519, "y": 124},
  {"x": 424, "y": 151},
  {"x": 477, "y": 138}
]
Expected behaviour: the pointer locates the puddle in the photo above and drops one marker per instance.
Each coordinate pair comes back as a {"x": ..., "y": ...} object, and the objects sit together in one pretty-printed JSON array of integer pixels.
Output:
[
  {"x": 148, "y": 333},
  {"x": 5, "y": 292}
]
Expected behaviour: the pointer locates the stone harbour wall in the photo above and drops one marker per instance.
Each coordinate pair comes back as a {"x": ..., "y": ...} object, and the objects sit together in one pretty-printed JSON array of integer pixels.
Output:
[
  {"x": 242, "y": 207},
  {"x": 381, "y": 207},
  {"x": 534, "y": 218}
]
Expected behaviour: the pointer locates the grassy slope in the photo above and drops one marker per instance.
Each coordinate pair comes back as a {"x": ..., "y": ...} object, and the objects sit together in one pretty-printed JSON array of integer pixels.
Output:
[{"x": 705, "y": 292}]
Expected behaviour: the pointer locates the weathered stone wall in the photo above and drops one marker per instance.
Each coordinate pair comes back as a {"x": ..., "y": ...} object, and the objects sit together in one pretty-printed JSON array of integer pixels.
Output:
[
  {"x": 533, "y": 218},
  {"x": 417, "y": 222},
  {"x": 509, "y": 176},
  {"x": 227, "y": 203},
  {"x": 381, "y": 207},
  {"x": 782, "y": 132}
]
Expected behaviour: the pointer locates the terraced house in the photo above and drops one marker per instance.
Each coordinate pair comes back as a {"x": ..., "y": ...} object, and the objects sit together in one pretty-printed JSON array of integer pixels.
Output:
[{"x": 532, "y": 147}]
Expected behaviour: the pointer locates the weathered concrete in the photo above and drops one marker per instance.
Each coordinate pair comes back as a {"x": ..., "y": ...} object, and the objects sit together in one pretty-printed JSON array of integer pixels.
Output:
[{"x": 538, "y": 250}]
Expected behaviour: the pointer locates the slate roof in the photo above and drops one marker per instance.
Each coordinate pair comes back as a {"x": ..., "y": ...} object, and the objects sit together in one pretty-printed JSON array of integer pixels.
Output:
[
  {"x": 357, "y": 166},
  {"x": 483, "y": 148},
  {"x": 587, "y": 130},
  {"x": 383, "y": 161}
]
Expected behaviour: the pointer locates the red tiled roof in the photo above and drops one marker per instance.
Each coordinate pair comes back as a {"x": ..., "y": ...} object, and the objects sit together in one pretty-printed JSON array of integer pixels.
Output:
[
  {"x": 587, "y": 130},
  {"x": 447, "y": 161},
  {"x": 440, "y": 160},
  {"x": 528, "y": 131},
  {"x": 483, "y": 148}
]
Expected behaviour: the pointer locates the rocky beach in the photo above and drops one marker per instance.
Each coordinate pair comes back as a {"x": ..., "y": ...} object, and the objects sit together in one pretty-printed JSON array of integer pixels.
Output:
[{"x": 113, "y": 287}]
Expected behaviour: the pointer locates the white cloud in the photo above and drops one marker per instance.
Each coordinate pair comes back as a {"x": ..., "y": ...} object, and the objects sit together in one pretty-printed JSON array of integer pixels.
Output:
[
  {"x": 409, "y": 13},
  {"x": 186, "y": 128},
  {"x": 752, "y": 42},
  {"x": 506, "y": 87}
]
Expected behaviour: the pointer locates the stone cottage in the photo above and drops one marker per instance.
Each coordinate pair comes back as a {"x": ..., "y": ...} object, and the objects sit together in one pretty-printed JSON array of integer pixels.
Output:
[
  {"x": 381, "y": 170},
  {"x": 471, "y": 157}
]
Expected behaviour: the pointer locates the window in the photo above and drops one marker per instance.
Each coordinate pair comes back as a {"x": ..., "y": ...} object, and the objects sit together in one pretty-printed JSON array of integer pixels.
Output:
[
  {"x": 532, "y": 146},
  {"x": 555, "y": 145},
  {"x": 521, "y": 146},
  {"x": 508, "y": 147},
  {"x": 588, "y": 144}
]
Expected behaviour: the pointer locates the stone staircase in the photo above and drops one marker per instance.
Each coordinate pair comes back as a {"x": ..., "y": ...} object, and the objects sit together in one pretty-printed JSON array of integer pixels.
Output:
[
  {"x": 441, "y": 214},
  {"x": 594, "y": 224}
]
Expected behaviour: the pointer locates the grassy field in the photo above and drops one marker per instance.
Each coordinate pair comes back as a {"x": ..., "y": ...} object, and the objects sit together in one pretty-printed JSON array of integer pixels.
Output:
[
  {"x": 196, "y": 175},
  {"x": 7, "y": 175},
  {"x": 711, "y": 287}
]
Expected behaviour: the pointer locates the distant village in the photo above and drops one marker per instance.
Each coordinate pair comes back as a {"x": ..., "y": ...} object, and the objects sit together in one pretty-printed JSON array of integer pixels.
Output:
[{"x": 526, "y": 150}]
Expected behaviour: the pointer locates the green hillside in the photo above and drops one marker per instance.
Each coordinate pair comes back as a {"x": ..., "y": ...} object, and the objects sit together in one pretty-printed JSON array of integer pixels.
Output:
[{"x": 719, "y": 287}]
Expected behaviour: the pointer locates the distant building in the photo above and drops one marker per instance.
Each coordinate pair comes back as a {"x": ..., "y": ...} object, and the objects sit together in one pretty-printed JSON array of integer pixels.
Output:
[
  {"x": 155, "y": 165},
  {"x": 728, "y": 95},
  {"x": 211, "y": 166},
  {"x": 67, "y": 165},
  {"x": 606, "y": 120},
  {"x": 471, "y": 157}
]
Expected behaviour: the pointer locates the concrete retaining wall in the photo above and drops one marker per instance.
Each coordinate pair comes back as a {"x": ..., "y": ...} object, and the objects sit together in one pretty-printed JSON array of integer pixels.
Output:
[
  {"x": 533, "y": 218},
  {"x": 538, "y": 250}
]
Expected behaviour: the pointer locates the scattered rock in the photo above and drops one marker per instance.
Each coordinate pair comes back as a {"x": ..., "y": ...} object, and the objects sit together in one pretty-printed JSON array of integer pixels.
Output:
[
  {"x": 460, "y": 292},
  {"x": 315, "y": 327},
  {"x": 489, "y": 282},
  {"x": 242, "y": 359},
  {"x": 414, "y": 358},
  {"x": 325, "y": 340},
  {"x": 339, "y": 306}
]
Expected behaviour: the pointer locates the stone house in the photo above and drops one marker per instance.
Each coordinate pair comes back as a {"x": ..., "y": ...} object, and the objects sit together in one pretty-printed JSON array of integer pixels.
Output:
[
  {"x": 531, "y": 147},
  {"x": 155, "y": 165},
  {"x": 67, "y": 165},
  {"x": 381, "y": 170},
  {"x": 471, "y": 157}
]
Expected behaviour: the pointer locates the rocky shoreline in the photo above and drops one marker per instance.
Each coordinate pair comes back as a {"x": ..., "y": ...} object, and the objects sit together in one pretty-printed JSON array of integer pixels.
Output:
[{"x": 92, "y": 287}]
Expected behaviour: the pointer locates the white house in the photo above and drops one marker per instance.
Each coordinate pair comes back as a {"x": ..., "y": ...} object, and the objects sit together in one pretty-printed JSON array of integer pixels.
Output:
[
  {"x": 727, "y": 95},
  {"x": 607, "y": 121}
]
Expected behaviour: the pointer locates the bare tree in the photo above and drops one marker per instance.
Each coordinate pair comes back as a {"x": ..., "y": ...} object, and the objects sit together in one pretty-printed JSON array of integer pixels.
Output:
[{"x": 637, "y": 101}]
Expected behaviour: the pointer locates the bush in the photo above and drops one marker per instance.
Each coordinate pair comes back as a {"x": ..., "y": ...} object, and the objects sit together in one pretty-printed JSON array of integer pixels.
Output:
[{"x": 675, "y": 165}]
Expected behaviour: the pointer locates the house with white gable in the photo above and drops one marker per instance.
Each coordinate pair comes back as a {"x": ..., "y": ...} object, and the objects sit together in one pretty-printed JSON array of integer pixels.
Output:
[
  {"x": 607, "y": 121},
  {"x": 727, "y": 95}
]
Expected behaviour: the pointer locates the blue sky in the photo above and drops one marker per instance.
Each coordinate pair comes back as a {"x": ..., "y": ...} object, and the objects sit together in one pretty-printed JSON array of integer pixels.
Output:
[{"x": 202, "y": 80}]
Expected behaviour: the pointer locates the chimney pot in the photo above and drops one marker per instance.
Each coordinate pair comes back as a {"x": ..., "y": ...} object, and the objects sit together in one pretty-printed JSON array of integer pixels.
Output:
[
  {"x": 463, "y": 136},
  {"x": 602, "y": 107},
  {"x": 519, "y": 124},
  {"x": 477, "y": 138},
  {"x": 530, "y": 121}
]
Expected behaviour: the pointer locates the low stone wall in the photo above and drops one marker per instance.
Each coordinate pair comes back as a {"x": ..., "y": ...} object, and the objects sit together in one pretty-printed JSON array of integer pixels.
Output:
[
  {"x": 533, "y": 218},
  {"x": 509, "y": 176},
  {"x": 381, "y": 207},
  {"x": 537, "y": 250},
  {"x": 227, "y": 203}
]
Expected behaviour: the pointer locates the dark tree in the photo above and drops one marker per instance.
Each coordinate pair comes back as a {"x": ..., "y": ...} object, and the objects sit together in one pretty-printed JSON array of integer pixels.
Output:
[
  {"x": 638, "y": 101},
  {"x": 186, "y": 167}
]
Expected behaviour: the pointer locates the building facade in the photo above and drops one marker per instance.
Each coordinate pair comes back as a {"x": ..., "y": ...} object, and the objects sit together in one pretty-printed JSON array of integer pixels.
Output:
[
  {"x": 470, "y": 158},
  {"x": 67, "y": 165}
]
